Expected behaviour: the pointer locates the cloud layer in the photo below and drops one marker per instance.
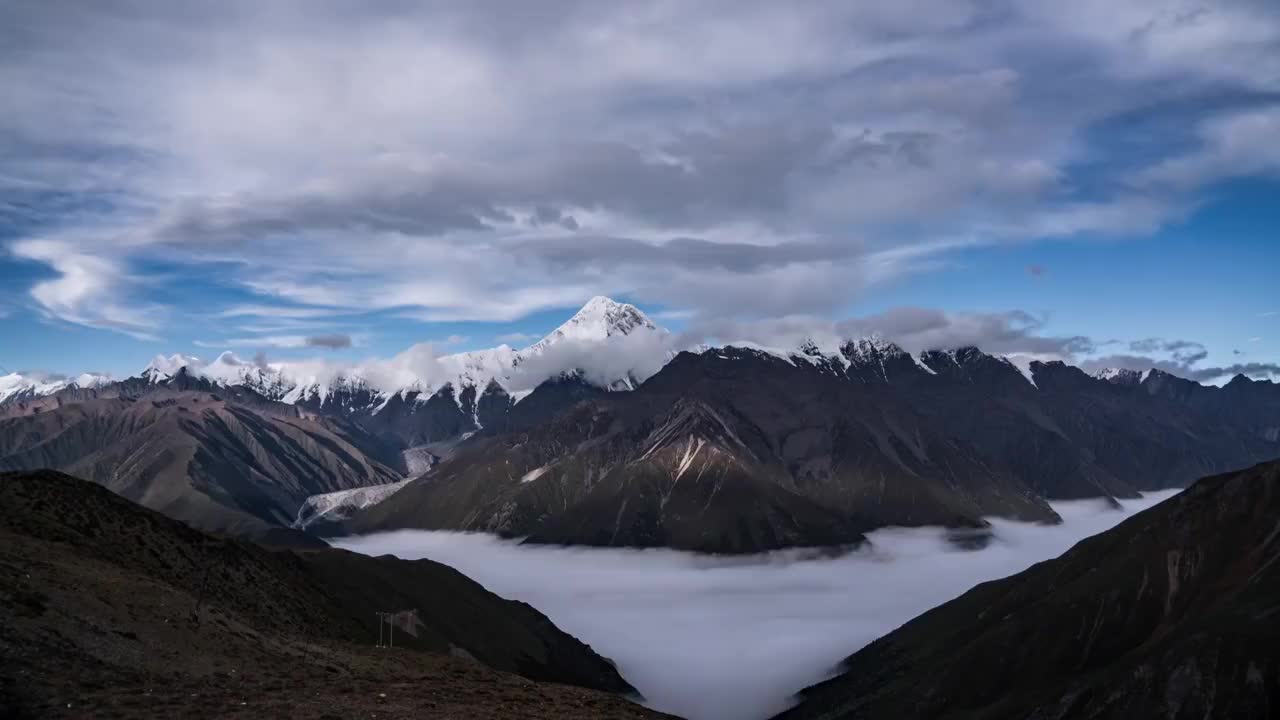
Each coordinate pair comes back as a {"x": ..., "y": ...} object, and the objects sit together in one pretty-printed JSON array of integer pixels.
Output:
[
  {"x": 713, "y": 638},
  {"x": 480, "y": 161}
]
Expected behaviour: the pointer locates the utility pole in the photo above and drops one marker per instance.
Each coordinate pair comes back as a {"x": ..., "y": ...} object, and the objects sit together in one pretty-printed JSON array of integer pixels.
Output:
[{"x": 389, "y": 620}]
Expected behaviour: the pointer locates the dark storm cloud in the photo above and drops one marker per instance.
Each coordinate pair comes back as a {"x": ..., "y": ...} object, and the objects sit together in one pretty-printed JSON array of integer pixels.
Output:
[{"x": 331, "y": 342}]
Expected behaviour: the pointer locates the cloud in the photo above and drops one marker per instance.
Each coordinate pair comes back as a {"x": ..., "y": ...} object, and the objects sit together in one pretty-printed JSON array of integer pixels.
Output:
[
  {"x": 638, "y": 355},
  {"x": 1016, "y": 331},
  {"x": 711, "y": 638},
  {"x": 278, "y": 311},
  {"x": 1236, "y": 144},
  {"x": 516, "y": 338},
  {"x": 1184, "y": 353},
  {"x": 89, "y": 290},
  {"x": 1186, "y": 367},
  {"x": 676, "y": 164},
  {"x": 334, "y": 341},
  {"x": 1256, "y": 370},
  {"x": 1182, "y": 358}
]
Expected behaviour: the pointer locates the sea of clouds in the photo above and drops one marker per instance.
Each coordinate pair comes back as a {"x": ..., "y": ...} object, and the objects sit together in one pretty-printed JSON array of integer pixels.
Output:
[{"x": 733, "y": 638}]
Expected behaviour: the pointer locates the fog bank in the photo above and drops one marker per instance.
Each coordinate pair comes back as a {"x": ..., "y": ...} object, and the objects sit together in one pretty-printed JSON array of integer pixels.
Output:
[{"x": 716, "y": 638}]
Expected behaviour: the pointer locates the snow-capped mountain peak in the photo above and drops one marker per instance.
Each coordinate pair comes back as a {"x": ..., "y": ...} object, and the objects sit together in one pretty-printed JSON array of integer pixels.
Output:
[
  {"x": 601, "y": 318},
  {"x": 1122, "y": 376},
  {"x": 20, "y": 387},
  {"x": 162, "y": 368},
  {"x": 608, "y": 343}
]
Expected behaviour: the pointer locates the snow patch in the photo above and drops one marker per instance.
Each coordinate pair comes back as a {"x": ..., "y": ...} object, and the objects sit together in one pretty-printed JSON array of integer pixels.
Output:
[
  {"x": 343, "y": 504},
  {"x": 534, "y": 474},
  {"x": 690, "y": 452}
]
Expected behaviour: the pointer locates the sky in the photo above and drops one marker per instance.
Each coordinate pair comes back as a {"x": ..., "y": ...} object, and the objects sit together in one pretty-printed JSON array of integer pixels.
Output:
[
  {"x": 719, "y": 638},
  {"x": 1088, "y": 181}
]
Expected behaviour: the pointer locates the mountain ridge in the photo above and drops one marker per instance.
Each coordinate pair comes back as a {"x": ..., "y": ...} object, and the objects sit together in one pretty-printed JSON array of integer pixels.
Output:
[{"x": 1164, "y": 615}]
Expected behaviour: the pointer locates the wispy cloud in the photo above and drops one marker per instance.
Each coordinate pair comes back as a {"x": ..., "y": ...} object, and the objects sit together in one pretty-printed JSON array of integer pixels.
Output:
[
  {"x": 280, "y": 311},
  {"x": 89, "y": 290},
  {"x": 856, "y": 150},
  {"x": 333, "y": 341},
  {"x": 516, "y": 338}
]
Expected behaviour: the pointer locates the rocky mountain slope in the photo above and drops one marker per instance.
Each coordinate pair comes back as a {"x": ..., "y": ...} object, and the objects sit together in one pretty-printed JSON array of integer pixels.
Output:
[
  {"x": 738, "y": 449},
  {"x": 1172, "y": 614},
  {"x": 601, "y": 434},
  {"x": 110, "y": 610},
  {"x": 221, "y": 459},
  {"x": 731, "y": 450}
]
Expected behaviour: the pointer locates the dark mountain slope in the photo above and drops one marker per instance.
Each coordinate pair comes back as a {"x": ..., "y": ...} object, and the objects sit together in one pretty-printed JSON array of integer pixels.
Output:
[
  {"x": 106, "y": 606},
  {"x": 1175, "y": 613},
  {"x": 1070, "y": 435},
  {"x": 725, "y": 451},
  {"x": 216, "y": 461},
  {"x": 1154, "y": 439}
]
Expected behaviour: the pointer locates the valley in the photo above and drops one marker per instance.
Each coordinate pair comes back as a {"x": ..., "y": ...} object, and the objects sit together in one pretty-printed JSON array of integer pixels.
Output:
[{"x": 733, "y": 638}]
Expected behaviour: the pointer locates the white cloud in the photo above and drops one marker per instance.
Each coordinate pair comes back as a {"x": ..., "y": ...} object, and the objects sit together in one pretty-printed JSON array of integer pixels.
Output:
[
  {"x": 711, "y": 638},
  {"x": 89, "y": 289},
  {"x": 279, "y": 311},
  {"x": 332, "y": 163},
  {"x": 516, "y": 339}
]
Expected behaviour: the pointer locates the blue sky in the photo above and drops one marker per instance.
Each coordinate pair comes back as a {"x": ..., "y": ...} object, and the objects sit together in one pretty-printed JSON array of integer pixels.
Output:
[{"x": 1050, "y": 181}]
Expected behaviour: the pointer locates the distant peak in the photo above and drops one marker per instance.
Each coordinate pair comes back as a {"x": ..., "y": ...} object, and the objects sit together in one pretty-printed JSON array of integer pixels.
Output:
[
  {"x": 600, "y": 318},
  {"x": 601, "y": 301},
  {"x": 162, "y": 368},
  {"x": 870, "y": 345},
  {"x": 1122, "y": 376}
]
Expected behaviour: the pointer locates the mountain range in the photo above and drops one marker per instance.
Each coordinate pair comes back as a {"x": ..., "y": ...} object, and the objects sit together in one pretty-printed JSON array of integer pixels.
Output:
[{"x": 603, "y": 433}]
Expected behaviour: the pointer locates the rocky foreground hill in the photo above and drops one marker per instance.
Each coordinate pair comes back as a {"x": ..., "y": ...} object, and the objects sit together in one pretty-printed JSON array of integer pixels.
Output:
[
  {"x": 108, "y": 609},
  {"x": 1174, "y": 613}
]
